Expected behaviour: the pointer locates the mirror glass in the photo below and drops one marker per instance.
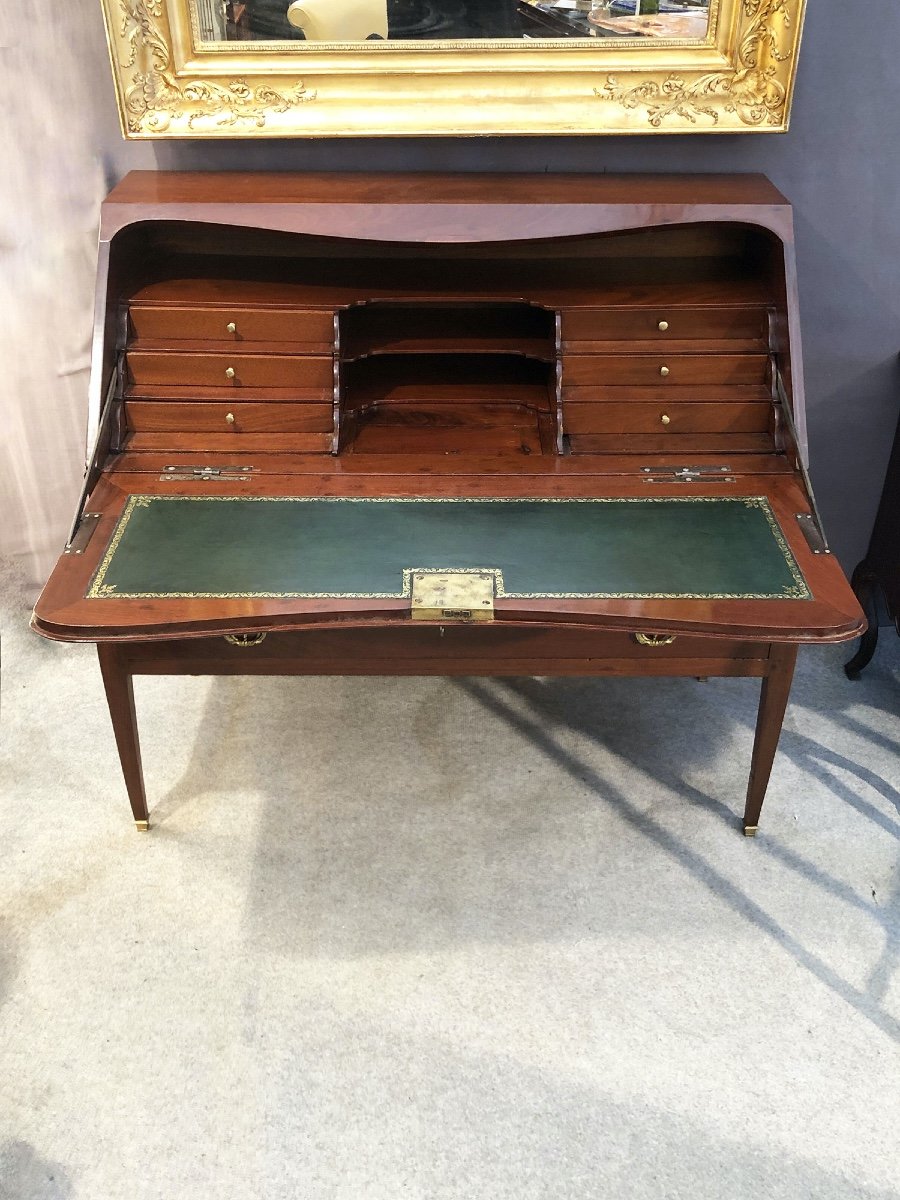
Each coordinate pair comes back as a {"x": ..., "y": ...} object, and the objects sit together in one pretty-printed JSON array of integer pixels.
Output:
[{"x": 453, "y": 20}]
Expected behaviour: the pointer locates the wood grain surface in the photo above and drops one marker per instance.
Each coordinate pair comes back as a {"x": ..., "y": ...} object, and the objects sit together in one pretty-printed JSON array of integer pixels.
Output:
[{"x": 448, "y": 336}]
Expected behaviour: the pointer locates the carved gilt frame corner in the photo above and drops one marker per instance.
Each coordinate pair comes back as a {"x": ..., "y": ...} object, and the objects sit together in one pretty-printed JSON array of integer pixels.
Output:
[{"x": 738, "y": 79}]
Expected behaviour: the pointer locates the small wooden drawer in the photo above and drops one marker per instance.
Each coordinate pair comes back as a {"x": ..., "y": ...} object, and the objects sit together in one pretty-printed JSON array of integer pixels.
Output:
[
  {"x": 655, "y": 646},
  {"x": 228, "y": 370},
  {"x": 663, "y": 324},
  {"x": 304, "y": 328},
  {"x": 147, "y": 416},
  {"x": 652, "y": 370},
  {"x": 639, "y": 417}
]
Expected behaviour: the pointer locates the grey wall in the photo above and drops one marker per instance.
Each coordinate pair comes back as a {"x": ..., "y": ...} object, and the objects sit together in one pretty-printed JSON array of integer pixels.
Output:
[{"x": 839, "y": 165}]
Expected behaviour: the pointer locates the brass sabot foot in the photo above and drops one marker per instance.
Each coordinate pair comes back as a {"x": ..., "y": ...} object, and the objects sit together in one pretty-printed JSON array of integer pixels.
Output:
[
  {"x": 142, "y": 826},
  {"x": 751, "y": 830}
]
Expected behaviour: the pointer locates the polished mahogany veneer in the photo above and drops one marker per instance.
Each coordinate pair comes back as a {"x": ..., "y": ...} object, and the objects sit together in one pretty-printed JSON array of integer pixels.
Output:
[{"x": 463, "y": 337}]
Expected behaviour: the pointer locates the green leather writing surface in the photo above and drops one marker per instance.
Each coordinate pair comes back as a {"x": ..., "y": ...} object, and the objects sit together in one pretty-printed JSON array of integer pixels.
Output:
[{"x": 212, "y": 546}]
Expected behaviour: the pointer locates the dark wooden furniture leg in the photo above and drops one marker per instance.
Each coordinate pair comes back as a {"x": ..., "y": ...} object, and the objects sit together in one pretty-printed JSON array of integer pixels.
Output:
[
  {"x": 776, "y": 688},
  {"x": 876, "y": 579},
  {"x": 866, "y": 592},
  {"x": 117, "y": 680}
]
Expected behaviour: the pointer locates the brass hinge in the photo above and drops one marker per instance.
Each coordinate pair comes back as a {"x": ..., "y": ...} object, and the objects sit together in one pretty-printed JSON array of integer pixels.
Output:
[
  {"x": 214, "y": 473},
  {"x": 687, "y": 474},
  {"x": 452, "y": 596},
  {"x": 103, "y": 445},
  {"x": 812, "y": 531},
  {"x": 811, "y": 524},
  {"x": 84, "y": 531}
]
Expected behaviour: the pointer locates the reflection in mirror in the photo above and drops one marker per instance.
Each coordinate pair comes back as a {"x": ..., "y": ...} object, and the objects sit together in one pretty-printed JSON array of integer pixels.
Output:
[{"x": 403, "y": 20}]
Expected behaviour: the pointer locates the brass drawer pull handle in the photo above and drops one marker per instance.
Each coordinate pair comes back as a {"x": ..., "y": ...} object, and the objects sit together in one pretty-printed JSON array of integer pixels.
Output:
[
  {"x": 231, "y": 327},
  {"x": 663, "y": 326},
  {"x": 653, "y": 639},
  {"x": 245, "y": 639},
  {"x": 666, "y": 419},
  {"x": 664, "y": 371},
  {"x": 229, "y": 418}
]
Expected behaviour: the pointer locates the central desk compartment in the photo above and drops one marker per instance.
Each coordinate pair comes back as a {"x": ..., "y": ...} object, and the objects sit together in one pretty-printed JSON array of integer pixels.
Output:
[{"x": 447, "y": 377}]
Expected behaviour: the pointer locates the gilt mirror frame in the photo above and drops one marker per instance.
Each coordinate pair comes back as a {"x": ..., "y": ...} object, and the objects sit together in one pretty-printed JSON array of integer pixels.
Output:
[{"x": 170, "y": 83}]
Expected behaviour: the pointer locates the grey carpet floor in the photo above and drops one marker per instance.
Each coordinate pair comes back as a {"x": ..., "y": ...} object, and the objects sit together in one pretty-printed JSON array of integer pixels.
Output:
[{"x": 429, "y": 938}]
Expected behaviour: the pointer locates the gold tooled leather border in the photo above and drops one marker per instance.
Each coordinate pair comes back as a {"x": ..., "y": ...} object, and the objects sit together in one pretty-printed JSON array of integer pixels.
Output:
[{"x": 98, "y": 589}]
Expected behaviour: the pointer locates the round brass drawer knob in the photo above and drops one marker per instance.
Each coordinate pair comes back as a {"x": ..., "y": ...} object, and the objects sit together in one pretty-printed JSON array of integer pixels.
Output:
[
  {"x": 229, "y": 417},
  {"x": 664, "y": 371},
  {"x": 663, "y": 326},
  {"x": 229, "y": 372},
  {"x": 665, "y": 418},
  {"x": 231, "y": 327}
]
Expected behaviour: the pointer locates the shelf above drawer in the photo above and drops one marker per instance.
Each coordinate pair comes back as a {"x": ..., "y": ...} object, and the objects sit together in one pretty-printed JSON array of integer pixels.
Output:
[{"x": 361, "y": 348}]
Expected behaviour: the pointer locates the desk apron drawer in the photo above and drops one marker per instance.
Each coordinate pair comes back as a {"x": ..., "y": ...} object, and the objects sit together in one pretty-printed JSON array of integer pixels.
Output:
[{"x": 485, "y": 649}]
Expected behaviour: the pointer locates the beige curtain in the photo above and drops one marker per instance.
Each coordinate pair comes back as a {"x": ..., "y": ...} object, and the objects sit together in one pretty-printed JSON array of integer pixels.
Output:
[{"x": 56, "y": 106}]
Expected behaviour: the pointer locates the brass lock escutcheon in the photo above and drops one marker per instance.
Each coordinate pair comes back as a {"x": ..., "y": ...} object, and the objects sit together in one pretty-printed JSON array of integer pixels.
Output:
[
  {"x": 653, "y": 639},
  {"x": 452, "y": 595},
  {"x": 245, "y": 639}
]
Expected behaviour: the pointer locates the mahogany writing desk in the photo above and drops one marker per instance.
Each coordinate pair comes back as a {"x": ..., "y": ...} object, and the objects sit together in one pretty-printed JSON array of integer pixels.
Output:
[{"x": 405, "y": 425}]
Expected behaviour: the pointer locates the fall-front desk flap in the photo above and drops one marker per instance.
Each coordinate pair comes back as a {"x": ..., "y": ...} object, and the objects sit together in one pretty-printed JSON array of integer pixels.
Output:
[{"x": 225, "y": 547}]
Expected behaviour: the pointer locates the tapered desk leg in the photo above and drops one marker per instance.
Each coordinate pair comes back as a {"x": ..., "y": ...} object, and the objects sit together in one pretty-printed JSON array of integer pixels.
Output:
[
  {"x": 117, "y": 680},
  {"x": 776, "y": 687}
]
